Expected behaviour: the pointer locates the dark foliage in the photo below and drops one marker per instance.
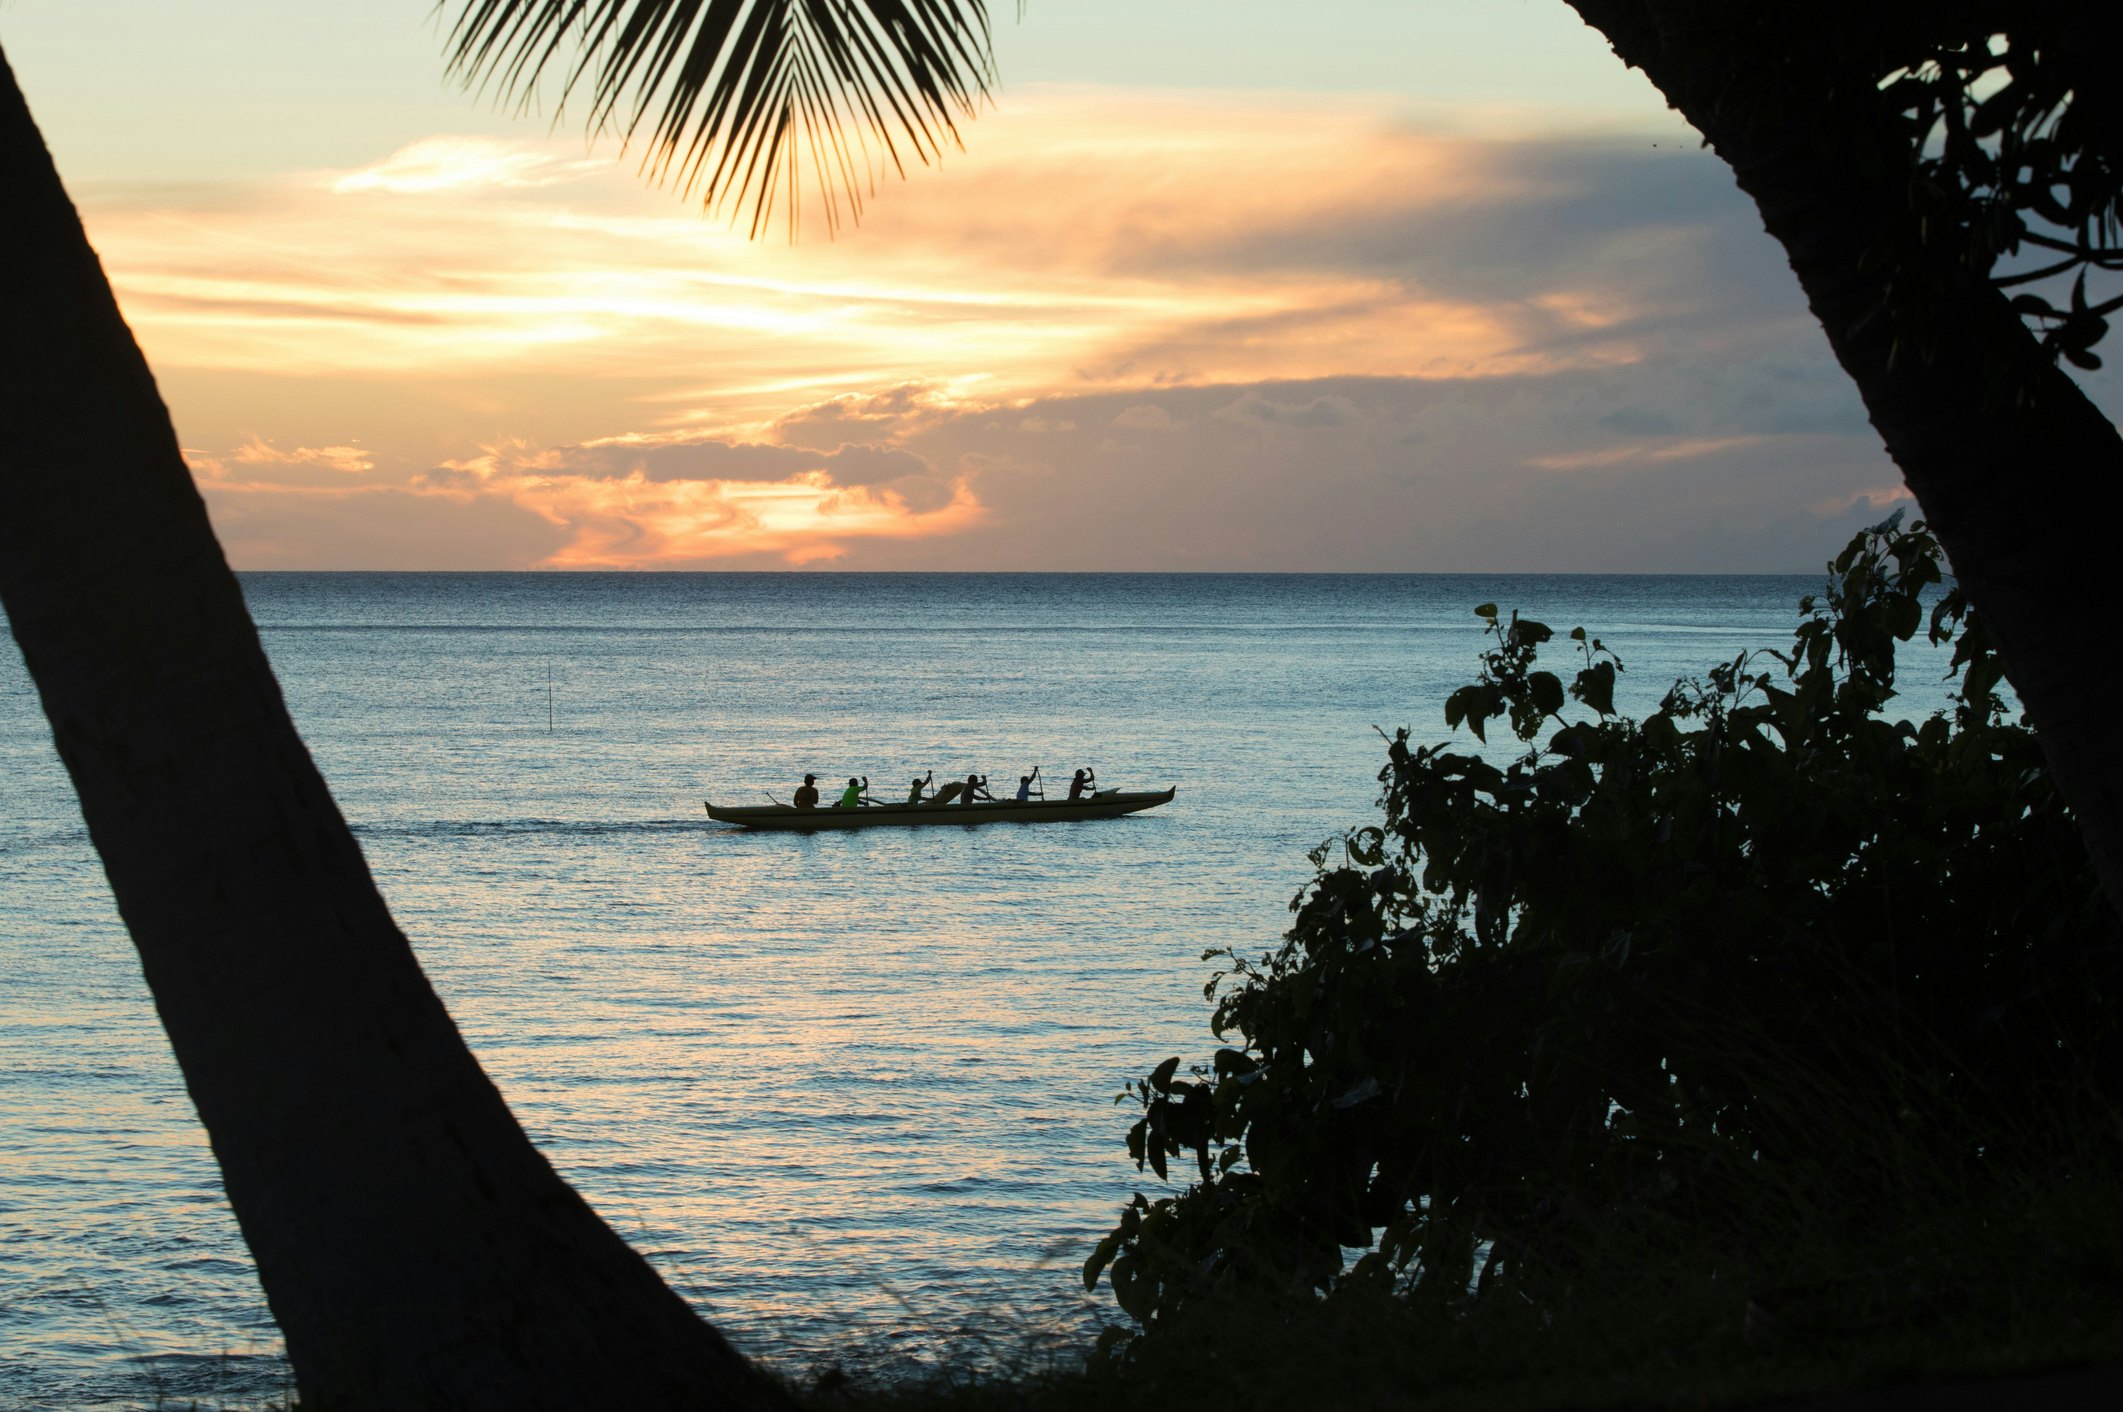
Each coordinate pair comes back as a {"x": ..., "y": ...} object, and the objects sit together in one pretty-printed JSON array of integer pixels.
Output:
[
  {"x": 1766, "y": 936},
  {"x": 2018, "y": 129},
  {"x": 732, "y": 96}
]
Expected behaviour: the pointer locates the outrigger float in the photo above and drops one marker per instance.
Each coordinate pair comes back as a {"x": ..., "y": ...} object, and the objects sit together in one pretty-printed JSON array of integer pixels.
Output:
[{"x": 1106, "y": 804}]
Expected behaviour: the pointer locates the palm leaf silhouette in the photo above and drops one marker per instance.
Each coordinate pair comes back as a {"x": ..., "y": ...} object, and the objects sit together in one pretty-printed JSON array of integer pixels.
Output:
[{"x": 731, "y": 97}]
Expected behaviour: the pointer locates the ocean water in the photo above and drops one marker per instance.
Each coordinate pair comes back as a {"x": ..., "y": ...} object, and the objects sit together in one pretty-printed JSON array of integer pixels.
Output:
[{"x": 851, "y": 1093}]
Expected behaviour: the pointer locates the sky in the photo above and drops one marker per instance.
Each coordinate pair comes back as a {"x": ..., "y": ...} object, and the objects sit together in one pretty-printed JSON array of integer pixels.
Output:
[{"x": 1406, "y": 285}]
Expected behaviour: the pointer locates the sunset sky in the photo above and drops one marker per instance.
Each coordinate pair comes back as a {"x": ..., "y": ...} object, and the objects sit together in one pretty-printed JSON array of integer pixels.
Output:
[{"x": 1387, "y": 286}]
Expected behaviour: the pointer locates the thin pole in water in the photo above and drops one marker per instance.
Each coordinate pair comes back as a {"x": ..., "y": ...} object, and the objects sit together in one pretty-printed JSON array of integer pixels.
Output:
[{"x": 549, "y": 695}]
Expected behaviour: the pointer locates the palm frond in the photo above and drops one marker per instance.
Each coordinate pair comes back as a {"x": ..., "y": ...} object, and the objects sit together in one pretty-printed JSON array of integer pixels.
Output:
[{"x": 729, "y": 96}]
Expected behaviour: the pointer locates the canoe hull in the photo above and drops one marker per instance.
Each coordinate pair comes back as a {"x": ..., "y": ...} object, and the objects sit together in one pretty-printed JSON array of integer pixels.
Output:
[{"x": 784, "y": 818}]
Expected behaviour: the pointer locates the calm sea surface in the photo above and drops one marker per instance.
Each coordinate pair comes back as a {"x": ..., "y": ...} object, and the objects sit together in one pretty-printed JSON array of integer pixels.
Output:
[{"x": 851, "y": 1093}]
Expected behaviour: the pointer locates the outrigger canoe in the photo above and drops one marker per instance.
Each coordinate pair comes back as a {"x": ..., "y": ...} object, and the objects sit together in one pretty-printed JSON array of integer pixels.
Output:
[{"x": 1032, "y": 811}]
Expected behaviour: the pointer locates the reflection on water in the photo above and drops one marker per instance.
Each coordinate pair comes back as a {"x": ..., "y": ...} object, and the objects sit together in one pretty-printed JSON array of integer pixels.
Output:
[{"x": 850, "y": 1092}]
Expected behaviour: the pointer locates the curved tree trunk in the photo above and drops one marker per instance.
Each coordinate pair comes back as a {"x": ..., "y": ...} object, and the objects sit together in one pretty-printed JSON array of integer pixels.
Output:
[
  {"x": 2018, "y": 473},
  {"x": 416, "y": 1249}
]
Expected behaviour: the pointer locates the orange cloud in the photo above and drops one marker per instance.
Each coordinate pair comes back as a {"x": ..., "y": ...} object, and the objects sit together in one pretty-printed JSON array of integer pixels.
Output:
[
  {"x": 636, "y": 523},
  {"x": 347, "y": 460},
  {"x": 261, "y": 462},
  {"x": 645, "y": 517},
  {"x": 1084, "y": 240},
  {"x": 456, "y": 163},
  {"x": 1644, "y": 452}
]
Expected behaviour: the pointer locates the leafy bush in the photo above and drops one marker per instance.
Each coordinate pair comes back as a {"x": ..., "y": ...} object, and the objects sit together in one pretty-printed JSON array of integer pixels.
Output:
[{"x": 1765, "y": 939}]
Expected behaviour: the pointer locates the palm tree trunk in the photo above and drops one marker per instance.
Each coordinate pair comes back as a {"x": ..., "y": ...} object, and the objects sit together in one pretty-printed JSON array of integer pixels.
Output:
[
  {"x": 416, "y": 1249},
  {"x": 2018, "y": 473}
]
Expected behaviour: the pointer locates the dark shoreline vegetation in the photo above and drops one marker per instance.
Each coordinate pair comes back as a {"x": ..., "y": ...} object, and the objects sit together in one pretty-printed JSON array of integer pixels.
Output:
[{"x": 1763, "y": 1047}]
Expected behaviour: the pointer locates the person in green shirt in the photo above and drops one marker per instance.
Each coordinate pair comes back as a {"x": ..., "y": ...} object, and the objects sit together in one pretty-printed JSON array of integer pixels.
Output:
[
  {"x": 851, "y": 797},
  {"x": 914, "y": 794}
]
